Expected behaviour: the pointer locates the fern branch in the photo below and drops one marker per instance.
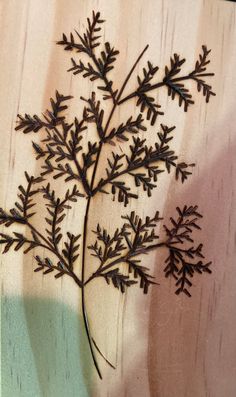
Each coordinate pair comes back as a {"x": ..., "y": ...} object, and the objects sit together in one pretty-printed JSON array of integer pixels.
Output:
[
  {"x": 131, "y": 126},
  {"x": 93, "y": 114},
  {"x": 136, "y": 238},
  {"x": 51, "y": 118},
  {"x": 46, "y": 265},
  {"x": 175, "y": 84},
  {"x": 147, "y": 159},
  {"x": 87, "y": 44}
]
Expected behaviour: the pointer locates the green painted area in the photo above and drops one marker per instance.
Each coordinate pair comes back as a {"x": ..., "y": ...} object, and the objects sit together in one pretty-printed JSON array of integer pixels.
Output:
[{"x": 44, "y": 350}]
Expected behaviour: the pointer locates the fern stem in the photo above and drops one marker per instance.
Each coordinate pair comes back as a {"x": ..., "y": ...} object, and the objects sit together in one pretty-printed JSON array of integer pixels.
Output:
[
  {"x": 85, "y": 227},
  {"x": 83, "y": 303}
]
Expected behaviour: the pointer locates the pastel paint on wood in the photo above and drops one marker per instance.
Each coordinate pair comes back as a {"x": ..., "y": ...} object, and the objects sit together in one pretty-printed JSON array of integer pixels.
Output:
[
  {"x": 44, "y": 351},
  {"x": 59, "y": 333}
]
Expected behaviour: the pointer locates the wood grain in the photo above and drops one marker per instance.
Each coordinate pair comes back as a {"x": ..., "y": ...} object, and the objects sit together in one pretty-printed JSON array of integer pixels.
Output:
[{"x": 162, "y": 345}]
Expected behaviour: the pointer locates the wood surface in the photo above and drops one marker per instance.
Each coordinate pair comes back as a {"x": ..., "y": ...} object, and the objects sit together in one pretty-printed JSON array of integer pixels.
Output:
[{"x": 163, "y": 345}]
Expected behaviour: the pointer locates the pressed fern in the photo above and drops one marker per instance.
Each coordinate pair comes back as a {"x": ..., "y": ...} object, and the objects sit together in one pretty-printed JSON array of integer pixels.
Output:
[{"x": 63, "y": 154}]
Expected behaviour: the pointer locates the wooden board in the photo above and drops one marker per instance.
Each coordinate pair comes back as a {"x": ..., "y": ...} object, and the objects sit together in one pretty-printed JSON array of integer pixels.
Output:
[{"x": 163, "y": 345}]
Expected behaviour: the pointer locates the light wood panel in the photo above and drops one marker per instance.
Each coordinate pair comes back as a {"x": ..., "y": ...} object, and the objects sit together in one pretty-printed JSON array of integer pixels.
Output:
[{"x": 163, "y": 345}]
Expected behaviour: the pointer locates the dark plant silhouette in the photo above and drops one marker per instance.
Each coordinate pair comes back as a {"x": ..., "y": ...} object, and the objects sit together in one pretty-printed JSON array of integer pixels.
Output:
[{"x": 63, "y": 155}]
